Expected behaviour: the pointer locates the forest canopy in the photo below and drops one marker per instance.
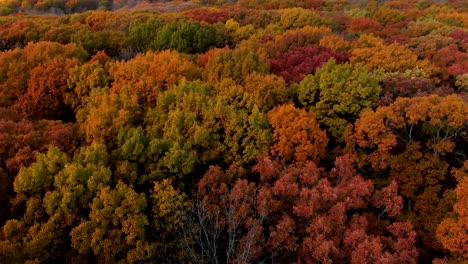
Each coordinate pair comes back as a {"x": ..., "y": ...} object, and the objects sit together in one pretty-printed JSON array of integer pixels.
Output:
[{"x": 249, "y": 131}]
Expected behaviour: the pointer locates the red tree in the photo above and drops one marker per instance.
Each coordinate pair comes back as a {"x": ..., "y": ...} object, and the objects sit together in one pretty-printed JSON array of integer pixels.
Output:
[
  {"x": 296, "y": 64},
  {"x": 302, "y": 214}
]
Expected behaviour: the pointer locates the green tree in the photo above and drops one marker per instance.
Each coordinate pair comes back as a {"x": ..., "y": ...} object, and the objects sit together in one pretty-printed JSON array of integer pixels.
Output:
[
  {"x": 116, "y": 227},
  {"x": 234, "y": 64},
  {"x": 82, "y": 80},
  {"x": 185, "y": 36},
  {"x": 337, "y": 94}
]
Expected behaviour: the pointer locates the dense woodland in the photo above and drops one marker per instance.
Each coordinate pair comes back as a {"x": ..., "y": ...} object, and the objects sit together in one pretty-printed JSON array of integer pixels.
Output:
[{"x": 250, "y": 131}]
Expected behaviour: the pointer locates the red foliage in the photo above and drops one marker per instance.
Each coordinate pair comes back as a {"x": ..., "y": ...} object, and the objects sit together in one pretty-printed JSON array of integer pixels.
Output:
[
  {"x": 296, "y": 64},
  {"x": 394, "y": 87},
  {"x": 392, "y": 33},
  {"x": 208, "y": 16},
  {"x": 451, "y": 60},
  {"x": 460, "y": 36},
  {"x": 204, "y": 58},
  {"x": 294, "y": 39},
  {"x": 362, "y": 25},
  {"x": 388, "y": 199},
  {"x": 21, "y": 139},
  {"x": 310, "y": 216}
]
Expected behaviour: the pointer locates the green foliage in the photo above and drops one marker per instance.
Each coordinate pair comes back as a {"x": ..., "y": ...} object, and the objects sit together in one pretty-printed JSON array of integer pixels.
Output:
[
  {"x": 234, "y": 64},
  {"x": 83, "y": 80},
  {"x": 116, "y": 226},
  {"x": 92, "y": 41},
  {"x": 5, "y": 10},
  {"x": 338, "y": 94},
  {"x": 184, "y": 36},
  {"x": 191, "y": 126},
  {"x": 142, "y": 33}
]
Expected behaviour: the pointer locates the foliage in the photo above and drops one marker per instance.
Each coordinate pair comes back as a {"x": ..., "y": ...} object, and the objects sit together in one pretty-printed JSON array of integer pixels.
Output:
[
  {"x": 414, "y": 141},
  {"x": 297, "y": 135},
  {"x": 297, "y": 213},
  {"x": 451, "y": 232},
  {"x": 237, "y": 131},
  {"x": 297, "y": 63},
  {"x": 234, "y": 64},
  {"x": 337, "y": 94}
]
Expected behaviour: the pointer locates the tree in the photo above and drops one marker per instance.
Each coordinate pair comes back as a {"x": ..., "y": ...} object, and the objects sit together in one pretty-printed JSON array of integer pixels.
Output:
[
  {"x": 451, "y": 232},
  {"x": 79, "y": 208},
  {"x": 20, "y": 140},
  {"x": 234, "y": 64},
  {"x": 298, "y": 18},
  {"x": 297, "y": 135},
  {"x": 106, "y": 112},
  {"x": 414, "y": 141},
  {"x": 337, "y": 94},
  {"x": 297, "y": 63},
  {"x": 400, "y": 86},
  {"x": 46, "y": 90},
  {"x": 371, "y": 52},
  {"x": 296, "y": 38},
  {"x": 362, "y": 25},
  {"x": 453, "y": 61},
  {"x": 20, "y": 67},
  {"x": 209, "y": 16},
  {"x": 266, "y": 91},
  {"x": 437, "y": 123},
  {"x": 185, "y": 37},
  {"x": 83, "y": 80},
  {"x": 335, "y": 42},
  {"x": 191, "y": 126},
  {"x": 34, "y": 234},
  {"x": 147, "y": 75},
  {"x": 297, "y": 213},
  {"x": 116, "y": 228},
  {"x": 111, "y": 41}
]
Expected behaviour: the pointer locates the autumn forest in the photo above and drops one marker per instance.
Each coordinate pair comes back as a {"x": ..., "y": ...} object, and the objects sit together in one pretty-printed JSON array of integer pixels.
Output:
[{"x": 249, "y": 131}]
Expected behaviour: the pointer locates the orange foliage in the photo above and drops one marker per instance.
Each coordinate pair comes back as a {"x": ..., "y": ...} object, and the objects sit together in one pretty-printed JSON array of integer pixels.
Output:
[
  {"x": 392, "y": 58},
  {"x": 148, "y": 74},
  {"x": 204, "y": 58},
  {"x": 35, "y": 78},
  {"x": 296, "y": 38},
  {"x": 297, "y": 135},
  {"x": 452, "y": 232},
  {"x": 407, "y": 120},
  {"x": 335, "y": 42},
  {"x": 46, "y": 89}
]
